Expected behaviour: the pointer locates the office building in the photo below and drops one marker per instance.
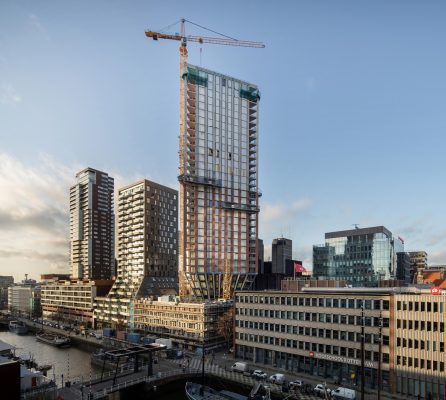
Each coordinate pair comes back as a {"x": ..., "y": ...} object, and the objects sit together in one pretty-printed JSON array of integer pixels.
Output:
[
  {"x": 404, "y": 271},
  {"x": 316, "y": 331},
  {"x": 218, "y": 183},
  {"x": 92, "y": 246},
  {"x": 260, "y": 257},
  {"x": 147, "y": 250},
  {"x": 418, "y": 263},
  {"x": 24, "y": 298},
  {"x": 306, "y": 328},
  {"x": 71, "y": 301},
  {"x": 5, "y": 282},
  {"x": 282, "y": 250},
  {"x": 362, "y": 257}
]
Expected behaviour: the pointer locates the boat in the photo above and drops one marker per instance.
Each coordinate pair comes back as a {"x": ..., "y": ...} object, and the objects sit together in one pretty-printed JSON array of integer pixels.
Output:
[
  {"x": 196, "y": 391},
  {"x": 54, "y": 340},
  {"x": 18, "y": 327}
]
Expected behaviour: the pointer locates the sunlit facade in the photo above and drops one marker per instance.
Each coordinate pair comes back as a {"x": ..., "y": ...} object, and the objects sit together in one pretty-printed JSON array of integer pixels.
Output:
[
  {"x": 361, "y": 257},
  {"x": 218, "y": 182}
]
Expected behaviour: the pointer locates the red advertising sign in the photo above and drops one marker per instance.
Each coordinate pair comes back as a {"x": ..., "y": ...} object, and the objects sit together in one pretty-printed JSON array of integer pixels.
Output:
[{"x": 435, "y": 290}]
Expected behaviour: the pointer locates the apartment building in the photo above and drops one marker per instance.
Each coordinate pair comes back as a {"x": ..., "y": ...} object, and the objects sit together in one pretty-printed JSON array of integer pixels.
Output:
[
  {"x": 71, "y": 301},
  {"x": 92, "y": 226},
  {"x": 147, "y": 250},
  {"x": 218, "y": 183}
]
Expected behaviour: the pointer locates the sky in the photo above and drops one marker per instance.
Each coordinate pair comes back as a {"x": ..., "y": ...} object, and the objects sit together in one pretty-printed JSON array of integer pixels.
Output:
[{"x": 352, "y": 113}]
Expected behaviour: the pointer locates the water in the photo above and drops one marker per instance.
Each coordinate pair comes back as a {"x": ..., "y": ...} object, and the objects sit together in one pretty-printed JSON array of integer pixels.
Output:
[{"x": 72, "y": 362}]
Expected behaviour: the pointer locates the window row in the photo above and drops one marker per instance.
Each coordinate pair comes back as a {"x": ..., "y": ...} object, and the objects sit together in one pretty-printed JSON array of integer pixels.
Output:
[{"x": 317, "y": 347}]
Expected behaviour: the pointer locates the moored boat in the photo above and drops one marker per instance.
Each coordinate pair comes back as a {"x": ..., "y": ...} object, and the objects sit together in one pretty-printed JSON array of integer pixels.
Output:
[
  {"x": 18, "y": 327},
  {"x": 195, "y": 391},
  {"x": 53, "y": 340}
]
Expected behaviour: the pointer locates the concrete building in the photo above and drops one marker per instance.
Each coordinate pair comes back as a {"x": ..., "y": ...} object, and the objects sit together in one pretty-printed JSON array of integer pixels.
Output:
[
  {"x": 282, "y": 250},
  {"x": 317, "y": 330},
  {"x": 189, "y": 325},
  {"x": 419, "y": 360},
  {"x": 362, "y": 257},
  {"x": 24, "y": 298},
  {"x": 218, "y": 183},
  {"x": 147, "y": 250},
  {"x": 5, "y": 282},
  {"x": 71, "y": 301},
  {"x": 92, "y": 229}
]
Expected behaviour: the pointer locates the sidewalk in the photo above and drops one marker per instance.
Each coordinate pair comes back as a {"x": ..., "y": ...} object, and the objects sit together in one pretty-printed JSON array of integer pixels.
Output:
[{"x": 227, "y": 360}]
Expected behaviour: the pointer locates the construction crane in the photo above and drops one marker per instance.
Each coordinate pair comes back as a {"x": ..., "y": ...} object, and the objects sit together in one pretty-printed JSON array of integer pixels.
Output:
[{"x": 184, "y": 39}]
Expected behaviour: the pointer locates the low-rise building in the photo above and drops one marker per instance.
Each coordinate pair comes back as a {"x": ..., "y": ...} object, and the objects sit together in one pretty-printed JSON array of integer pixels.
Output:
[
  {"x": 24, "y": 298},
  {"x": 316, "y": 331},
  {"x": 71, "y": 301},
  {"x": 189, "y": 325},
  {"x": 319, "y": 331}
]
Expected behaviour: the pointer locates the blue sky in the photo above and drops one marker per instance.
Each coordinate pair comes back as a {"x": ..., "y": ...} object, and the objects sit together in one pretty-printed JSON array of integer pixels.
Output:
[{"x": 351, "y": 122}]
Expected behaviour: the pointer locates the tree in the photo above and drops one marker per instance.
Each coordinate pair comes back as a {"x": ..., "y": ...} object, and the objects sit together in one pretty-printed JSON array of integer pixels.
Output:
[{"x": 225, "y": 325}]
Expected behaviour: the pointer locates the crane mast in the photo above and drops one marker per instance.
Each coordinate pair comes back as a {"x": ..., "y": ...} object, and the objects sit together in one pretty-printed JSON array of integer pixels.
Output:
[{"x": 184, "y": 39}]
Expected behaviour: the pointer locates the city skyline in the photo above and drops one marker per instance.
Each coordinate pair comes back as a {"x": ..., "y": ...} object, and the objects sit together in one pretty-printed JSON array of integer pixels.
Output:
[{"x": 350, "y": 127}]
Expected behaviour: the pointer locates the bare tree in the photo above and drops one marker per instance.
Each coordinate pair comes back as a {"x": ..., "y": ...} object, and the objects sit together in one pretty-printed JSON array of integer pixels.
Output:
[{"x": 225, "y": 325}]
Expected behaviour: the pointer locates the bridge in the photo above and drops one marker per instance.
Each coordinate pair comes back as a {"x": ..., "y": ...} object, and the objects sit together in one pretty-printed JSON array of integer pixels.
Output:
[{"x": 98, "y": 388}]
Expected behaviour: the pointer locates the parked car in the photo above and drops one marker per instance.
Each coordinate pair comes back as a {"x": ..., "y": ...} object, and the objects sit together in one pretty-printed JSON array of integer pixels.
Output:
[
  {"x": 320, "y": 389},
  {"x": 277, "y": 378},
  {"x": 343, "y": 394},
  {"x": 296, "y": 384},
  {"x": 240, "y": 367},
  {"x": 259, "y": 374}
]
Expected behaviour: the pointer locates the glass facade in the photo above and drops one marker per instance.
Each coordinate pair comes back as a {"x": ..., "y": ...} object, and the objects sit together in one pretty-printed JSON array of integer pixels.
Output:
[
  {"x": 361, "y": 256},
  {"x": 218, "y": 177}
]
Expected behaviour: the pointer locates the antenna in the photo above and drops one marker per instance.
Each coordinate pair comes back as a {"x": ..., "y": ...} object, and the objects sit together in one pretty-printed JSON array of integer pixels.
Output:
[{"x": 356, "y": 226}]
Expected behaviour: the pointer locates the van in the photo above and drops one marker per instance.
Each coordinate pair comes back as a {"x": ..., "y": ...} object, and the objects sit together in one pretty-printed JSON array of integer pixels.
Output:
[
  {"x": 277, "y": 379},
  {"x": 343, "y": 393},
  {"x": 240, "y": 367}
]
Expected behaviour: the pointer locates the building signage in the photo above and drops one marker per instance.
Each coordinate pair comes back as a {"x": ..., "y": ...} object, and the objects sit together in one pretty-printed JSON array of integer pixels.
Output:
[
  {"x": 435, "y": 290},
  {"x": 344, "y": 360},
  {"x": 311, "y": 354}
]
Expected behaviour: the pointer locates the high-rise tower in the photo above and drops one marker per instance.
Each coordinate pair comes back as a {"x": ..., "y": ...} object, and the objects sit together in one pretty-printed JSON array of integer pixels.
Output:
[
  {"x": 92, "y": 233},
  {"x": 147, "y": 250},
  {"x": 219, "y": 195}
]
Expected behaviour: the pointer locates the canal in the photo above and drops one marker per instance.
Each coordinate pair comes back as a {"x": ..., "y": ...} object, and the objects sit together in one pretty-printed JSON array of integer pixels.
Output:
[
  {"x": 70, "y": 362},
  {"x": 74, "y": 363}
]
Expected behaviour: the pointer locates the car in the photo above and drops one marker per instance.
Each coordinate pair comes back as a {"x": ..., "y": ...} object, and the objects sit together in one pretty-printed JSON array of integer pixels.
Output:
[
  {"x": 259, "y": 374},
  {"x": 321, "y": 389},
  {"x": 296, "y": 384},
  {"x": 278, "y": 379}
]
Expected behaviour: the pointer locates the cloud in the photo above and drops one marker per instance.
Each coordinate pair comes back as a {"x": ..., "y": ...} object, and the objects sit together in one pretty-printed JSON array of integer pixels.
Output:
[
  {"x": 280, "y": 211},
  {"x": 8, "y": 95},
  {"x": 34, "y": 213},
  {"x": 34, "y": 216}
]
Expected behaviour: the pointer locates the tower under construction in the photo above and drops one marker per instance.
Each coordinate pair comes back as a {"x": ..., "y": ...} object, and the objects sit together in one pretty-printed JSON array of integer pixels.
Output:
[{"x": 219, "y": 194}]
